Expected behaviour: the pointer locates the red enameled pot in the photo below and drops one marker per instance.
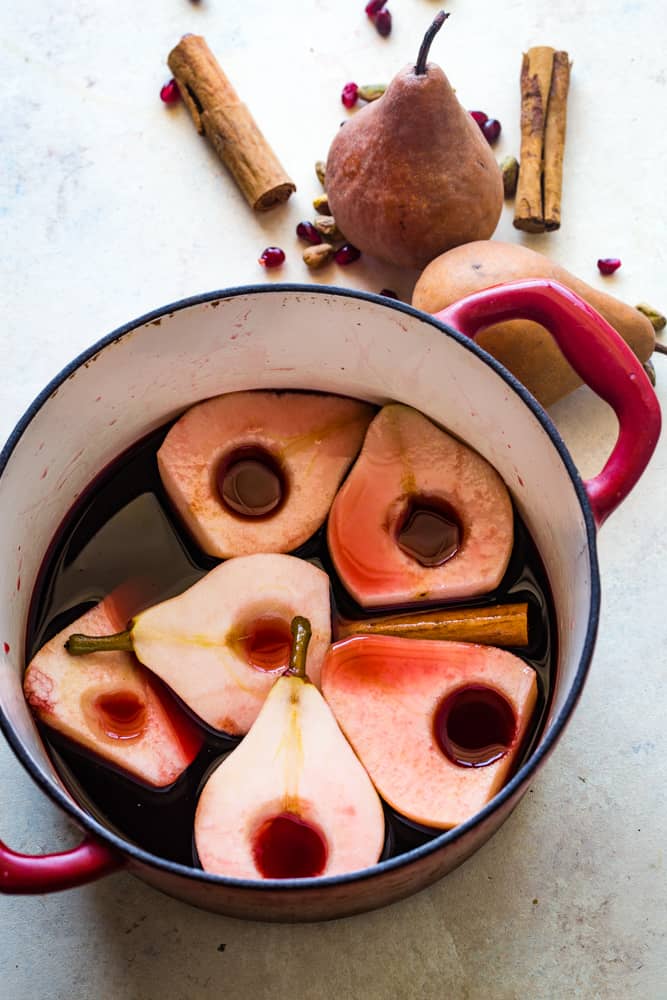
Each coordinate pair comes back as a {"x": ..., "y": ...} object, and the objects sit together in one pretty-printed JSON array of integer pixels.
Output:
[{"x": 356, "y": 344}]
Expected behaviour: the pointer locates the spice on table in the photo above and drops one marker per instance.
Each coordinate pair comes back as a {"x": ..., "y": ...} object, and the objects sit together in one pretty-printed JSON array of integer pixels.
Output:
[
  {"x": 658, "y": 321},
  {"x": 545, "y": 79},
  {"x": 347, "y": 254},
  {"x": 382, "y": 21},
  {"x": 607, "y": 265},
  {"x": 272, "y": 257},
  {"x": 554, "y": 140},
  {"x": 650, "y": 371},
  {"x": 510, "y": 171},
  {"x": 321, "y": 204},
  {"x": 349, "y": 95},
  {"x": 320, "y": 167},
  {"x": 306, "y": 231},
  {"x": 491, "y": 130},
  {"x": 372, "y": 91},
  {"x": 326, "y": 225},
  {"x": 170, "y": 93},
  {"x": 220, "y": 115},
  {"x": 318, "y": 256}
]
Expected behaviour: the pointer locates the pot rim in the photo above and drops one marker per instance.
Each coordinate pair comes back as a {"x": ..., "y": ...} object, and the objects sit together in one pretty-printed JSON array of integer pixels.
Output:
[{"x": 527, "y": 769}]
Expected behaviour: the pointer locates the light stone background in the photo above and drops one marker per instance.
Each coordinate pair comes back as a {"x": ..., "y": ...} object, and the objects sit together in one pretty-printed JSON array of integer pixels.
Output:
[{"x": 112, "y": 205}]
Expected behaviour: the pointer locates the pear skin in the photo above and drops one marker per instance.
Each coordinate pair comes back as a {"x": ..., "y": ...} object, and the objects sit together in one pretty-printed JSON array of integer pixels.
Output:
[
  {"x": 312, "y": 438},
  {"x": 526, "y": 348},
  {"x": 387, "y": 695},
  {"x": 294, "y": 762},
  {"x": 200, "y": 642},
  {"x": 108, "y": 704},
  {"x": 405, "y": 456},
  {"x": 411, "y": 175}
]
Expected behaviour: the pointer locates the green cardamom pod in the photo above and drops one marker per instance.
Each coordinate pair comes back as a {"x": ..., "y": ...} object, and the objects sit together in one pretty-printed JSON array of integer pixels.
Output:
[
  {"x": 321, "y": 204},
  {"x": 371, "y": 91},
  {"x": 510, "y": 171},
  {"x": 658, "y": 321},
  {"x": 318, "y": 256}
]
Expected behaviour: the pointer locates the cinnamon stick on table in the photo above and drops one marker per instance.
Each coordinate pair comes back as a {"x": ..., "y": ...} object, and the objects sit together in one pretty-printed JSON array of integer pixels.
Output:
[
  {"x": 545, "y": 80},
  {"x": 536, "y": 70},
  {"x": 219, "y": 114},
  {"x": 554, "y": 140}
]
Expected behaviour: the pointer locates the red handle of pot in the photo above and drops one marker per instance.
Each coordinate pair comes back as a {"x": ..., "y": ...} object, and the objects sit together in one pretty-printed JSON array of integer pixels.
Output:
[
  {"x": 24, "y": 874},
  {"x": 598, "y": 354}
]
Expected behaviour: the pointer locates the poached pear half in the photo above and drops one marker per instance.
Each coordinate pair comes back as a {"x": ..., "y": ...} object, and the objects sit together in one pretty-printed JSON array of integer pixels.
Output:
[
  {"x": 223, "y": 643},
  {"x": 411, "y": 174},
  {"x": 439, "y": 726},
  {"x": 292, "y": 800},
  {"x": 109, "y": 705}
]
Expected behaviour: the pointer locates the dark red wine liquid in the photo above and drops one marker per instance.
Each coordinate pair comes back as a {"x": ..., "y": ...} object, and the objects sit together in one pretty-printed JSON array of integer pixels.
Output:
[
  {"x": 121, "y": 714},
  {"x": 124, "y": 531},
  {"x": 285, "y": 846},
  {"x": 430, "y": 532},
  {"x": 250, "y": 483},
  {"x": 267, "y": 643},
  {"x": 474, "y": 726}
]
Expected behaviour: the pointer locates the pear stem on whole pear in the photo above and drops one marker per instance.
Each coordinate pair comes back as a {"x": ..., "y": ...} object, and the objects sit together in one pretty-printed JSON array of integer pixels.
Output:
[
  {"x": 301, "y": 633},
  {"x": 438, "y": 21},
  {"x": 80, "y": 645}
]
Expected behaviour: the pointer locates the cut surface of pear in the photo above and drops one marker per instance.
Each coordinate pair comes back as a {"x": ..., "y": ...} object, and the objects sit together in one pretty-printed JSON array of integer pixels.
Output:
[
  {"x": 407, "y": 465},
  {"x": 437, "y": 725},
  {"x": 222, "y": 644},
  {"x": 292, "y": 800},
  {"x": 411, "y": 175},
  {"x": 108, "y": 704},
  {"x": 257, "y": 471}
]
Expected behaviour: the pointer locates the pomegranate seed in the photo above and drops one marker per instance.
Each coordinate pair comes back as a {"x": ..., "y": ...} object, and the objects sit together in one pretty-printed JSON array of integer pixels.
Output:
[
  {"x": 383, "y": 22},
  {"x": 388, "y": 294},
  {"x": 272, "y": 257},
  {"x": 607, "y": 265},
  {"x": 347, "y": 254},
  {"x": 306, "y": 231},
  {"x": 491, "y": 130},
  {"x": 479, "y": 117},
  {"x": 349, "y": 95},
  {"x": 373, "y": 7},
  {"x": 170, "y": 93}
]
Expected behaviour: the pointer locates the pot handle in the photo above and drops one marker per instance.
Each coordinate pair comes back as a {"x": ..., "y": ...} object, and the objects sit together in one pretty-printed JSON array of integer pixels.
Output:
[
  {"x": 24, "y": 874},
  {"x": 600, "y": 357}
]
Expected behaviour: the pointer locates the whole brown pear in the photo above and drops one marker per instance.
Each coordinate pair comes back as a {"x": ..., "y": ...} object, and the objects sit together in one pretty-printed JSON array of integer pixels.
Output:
[
  {"x": 524, "y": 347},
  {"x": 411, "y": 175}
]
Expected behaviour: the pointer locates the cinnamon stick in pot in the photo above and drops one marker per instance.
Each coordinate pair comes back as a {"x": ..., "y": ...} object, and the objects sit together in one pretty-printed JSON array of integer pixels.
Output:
[
  {"x": 220, "y": 115},
  {"x": 497, "y": 625},
  {"x": 554, "y": 140}
]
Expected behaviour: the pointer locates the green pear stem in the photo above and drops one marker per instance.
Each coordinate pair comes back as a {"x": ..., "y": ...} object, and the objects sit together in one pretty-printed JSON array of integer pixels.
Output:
[
  {"x": 438, "y": 21},
  {"x": 79, "y": 645},
  {"x": 301, "y": 632}
]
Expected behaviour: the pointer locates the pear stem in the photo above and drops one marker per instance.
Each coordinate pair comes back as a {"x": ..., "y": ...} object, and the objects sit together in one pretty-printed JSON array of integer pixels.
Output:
[
  {"x": 79, "y": 645},
  {"x": 301, "y": 633},
  {"x": 660, "y": 348},
  {"x": 438, "y": 21}
]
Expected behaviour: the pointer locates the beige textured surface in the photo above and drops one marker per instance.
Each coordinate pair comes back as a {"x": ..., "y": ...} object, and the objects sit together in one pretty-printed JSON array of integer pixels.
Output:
[{"x": 114, "y": 205}]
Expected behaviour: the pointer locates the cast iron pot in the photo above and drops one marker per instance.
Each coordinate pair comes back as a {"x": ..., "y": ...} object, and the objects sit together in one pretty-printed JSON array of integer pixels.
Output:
[{"x": 333, "y": 340}]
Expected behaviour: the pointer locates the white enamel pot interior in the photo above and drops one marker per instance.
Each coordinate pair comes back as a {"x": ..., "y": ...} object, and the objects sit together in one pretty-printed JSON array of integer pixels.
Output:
[{"x": 288, "y": 337}]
